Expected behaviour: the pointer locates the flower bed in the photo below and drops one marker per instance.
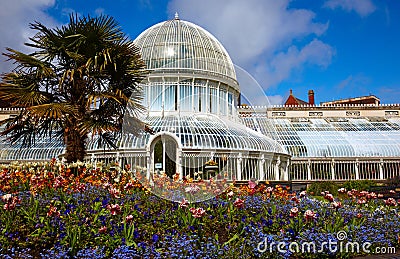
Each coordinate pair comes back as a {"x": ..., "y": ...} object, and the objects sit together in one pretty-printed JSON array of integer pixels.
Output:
[{"x": 53, "y": 211}]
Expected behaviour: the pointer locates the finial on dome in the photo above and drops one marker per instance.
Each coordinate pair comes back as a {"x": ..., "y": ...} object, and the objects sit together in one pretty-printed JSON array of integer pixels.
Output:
[{"x": 176, "y": 16}]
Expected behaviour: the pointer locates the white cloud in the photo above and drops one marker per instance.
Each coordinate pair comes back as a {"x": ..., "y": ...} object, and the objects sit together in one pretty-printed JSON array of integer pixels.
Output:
[
  {"x": 353, "y": 82},
  {"x": 361, "y": 7},
  {"x": 281, "y": 66},
  {"x": 256, "y": 32},
  {"x": 15, "y": 16},
  {"x": 249, "y": 28}
]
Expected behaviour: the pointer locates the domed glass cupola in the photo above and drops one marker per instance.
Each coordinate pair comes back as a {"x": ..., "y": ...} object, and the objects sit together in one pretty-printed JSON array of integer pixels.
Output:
[{"x": 190, "y": 70}]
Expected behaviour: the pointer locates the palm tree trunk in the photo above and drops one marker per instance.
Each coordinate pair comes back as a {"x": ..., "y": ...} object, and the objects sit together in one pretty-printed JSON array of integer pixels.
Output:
[{"x": 75, "y": 145}]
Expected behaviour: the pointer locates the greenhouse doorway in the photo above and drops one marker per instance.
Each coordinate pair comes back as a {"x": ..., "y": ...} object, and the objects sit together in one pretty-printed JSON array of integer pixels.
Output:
[{"x": 164, "y": 154}]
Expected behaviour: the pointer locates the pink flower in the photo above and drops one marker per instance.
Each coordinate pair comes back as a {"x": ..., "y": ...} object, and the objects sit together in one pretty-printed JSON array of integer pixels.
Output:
[
  {"x": 392, "y": 191},
  {"x": 380, "y": 195},
  {"x": 309, "y": 215},
  {"x": 197, "y": 213},
  {"x": 128, "y": 218},
  {"x": 239, "y": 203},
  {"x": 183, "y": 204},
  {"x": 359, "y": 215},
  {"x": 103, "y": 229},
  {"x": 114, "y": 209},
  {"x": 294, "y": 212},
  {"x": 342, "y": 190},
  {"x": 252, "y": 184}
]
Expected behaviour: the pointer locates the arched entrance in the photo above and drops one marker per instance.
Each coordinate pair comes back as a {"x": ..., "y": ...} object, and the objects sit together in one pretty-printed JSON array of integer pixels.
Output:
[{"x": 164, "y": 154}]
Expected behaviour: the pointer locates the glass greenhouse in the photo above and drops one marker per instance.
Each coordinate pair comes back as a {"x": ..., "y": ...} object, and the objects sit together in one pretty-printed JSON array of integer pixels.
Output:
[{"x": 191, "y": 96}]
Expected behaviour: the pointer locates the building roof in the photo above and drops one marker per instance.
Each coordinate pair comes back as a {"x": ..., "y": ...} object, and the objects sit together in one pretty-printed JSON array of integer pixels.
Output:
[
  {"x": 292, "y": 100},
  {"x": 370, "y": 99}
]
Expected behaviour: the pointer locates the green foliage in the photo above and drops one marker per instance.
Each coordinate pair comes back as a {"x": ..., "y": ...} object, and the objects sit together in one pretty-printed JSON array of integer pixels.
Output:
[
  {"x": 360, "y": 185},
  {"x": 318, "y": 187},
  {"x": 394, "y": 181}
]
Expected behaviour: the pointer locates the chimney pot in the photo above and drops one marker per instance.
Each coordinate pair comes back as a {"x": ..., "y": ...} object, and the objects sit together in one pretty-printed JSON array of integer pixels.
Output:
[{"x": 311, "y": 100}]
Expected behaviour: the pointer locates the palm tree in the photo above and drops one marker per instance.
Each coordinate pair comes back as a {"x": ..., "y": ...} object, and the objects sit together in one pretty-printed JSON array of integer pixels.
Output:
[{"x": 77, "y": 83}]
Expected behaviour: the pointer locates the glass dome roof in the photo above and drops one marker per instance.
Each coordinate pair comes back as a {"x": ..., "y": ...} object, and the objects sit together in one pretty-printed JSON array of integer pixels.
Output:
[
  {"x": 201, "y": 132},
  {"x": 184, "y": 47}
]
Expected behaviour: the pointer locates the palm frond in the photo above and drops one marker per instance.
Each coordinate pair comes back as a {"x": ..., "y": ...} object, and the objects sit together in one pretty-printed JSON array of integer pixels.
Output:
[
  {"x": 97, "y": 127},
  {"x": 28, "y": 61},
  {"x": 21, "y": 91},
  {"x": 54, "y": 111}
]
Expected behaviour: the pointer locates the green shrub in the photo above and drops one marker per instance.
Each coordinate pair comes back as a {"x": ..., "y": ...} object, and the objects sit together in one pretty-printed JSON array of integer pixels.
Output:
[
  {"x": 394, "y": 181},
  {"x": 323, "y": 186},
  {"x": 360, "y": 185}
]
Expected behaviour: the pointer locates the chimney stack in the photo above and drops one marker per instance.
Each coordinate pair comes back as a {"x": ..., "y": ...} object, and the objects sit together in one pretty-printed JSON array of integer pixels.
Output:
[{"x": 311, "y": 100}]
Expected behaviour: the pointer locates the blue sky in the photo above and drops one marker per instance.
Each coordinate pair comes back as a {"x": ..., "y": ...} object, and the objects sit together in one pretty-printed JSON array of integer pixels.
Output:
[{"x": 338, "y": 48}]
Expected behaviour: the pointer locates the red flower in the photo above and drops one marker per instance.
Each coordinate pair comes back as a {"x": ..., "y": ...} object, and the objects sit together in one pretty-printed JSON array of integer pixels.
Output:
[
  {"x": 391, "y": 202},
  {"x": 183, "y": 204},
  {"x": 309, "y": 215},
  {"x": 103, "y": 229},
  {"x": 295, "y": 199},
  {"x": 329, "y": 197},
  {"x": 239, "y": 203},
  {"x": 337, "y": 205},
  {"x": 294, "y": 212},
  {"x": 11, "y": 201},
  {"x": 114, "y": 209},
  {"x": 230, "y": 194},
  {"x": 115, "y": 193},
  {"x": 129, "y": 218},
  {"x": 197, "y": 213},
  {"x": 53, "y": 212}
]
